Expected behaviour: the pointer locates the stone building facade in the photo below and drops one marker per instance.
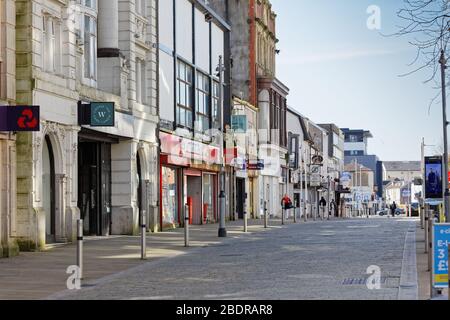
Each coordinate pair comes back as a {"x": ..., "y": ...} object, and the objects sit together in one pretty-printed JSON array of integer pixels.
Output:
[
  {"x": 71, "y": 53},
  {"x": 253, "y": 74},
  {"x": 8, "y": 245}
]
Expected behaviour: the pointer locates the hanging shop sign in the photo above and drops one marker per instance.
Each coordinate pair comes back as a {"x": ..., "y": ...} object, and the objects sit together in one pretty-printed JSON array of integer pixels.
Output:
[
  {"x": 315, "y": 179},
  {"x": 19, "y": 118},
  {"x": 97, "y": 114}
]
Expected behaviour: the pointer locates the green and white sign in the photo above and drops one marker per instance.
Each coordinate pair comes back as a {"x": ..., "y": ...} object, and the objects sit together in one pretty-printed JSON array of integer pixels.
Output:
[{"x": 102, "y": 114}]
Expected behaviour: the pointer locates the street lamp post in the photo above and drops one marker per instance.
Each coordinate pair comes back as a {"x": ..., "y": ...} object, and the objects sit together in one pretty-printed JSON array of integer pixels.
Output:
[
  {"x": 443, "y": 62},
  {"x": 222, "y": 229}
]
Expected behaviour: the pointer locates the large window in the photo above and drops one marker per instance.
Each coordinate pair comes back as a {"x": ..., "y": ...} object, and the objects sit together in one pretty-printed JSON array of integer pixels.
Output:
[
  {"x": 51, "y": 44},
  {"x": 140, "y": 7},
  {"x": 90, "y": 47},
  {"x": 140, "y": 82},
  {"x": 88, "y": 27},
  {"x": 185, "y": 96},
  {"x": 203, "y": 103}
]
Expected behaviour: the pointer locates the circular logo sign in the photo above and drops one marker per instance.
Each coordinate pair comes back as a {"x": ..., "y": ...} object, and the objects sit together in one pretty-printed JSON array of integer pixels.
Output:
[{"x": 102, "y": 114}]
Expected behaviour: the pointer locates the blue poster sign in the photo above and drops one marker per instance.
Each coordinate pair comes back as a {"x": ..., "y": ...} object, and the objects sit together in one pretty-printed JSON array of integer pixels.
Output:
[
  {"x": 441, "y": 240},
  {"x": 239, "y": 123}
]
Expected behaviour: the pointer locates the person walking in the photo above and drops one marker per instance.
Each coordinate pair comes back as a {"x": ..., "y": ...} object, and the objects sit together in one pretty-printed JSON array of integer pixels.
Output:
[
  {"x": 393, "y": 208},
  {"x": 333, "y": 208},
  {"x": 323, "y": 204},
  {"x": 286, "y": 203}
]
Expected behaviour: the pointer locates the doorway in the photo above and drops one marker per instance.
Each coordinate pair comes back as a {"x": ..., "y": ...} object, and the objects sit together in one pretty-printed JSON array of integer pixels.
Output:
[
  {"x": 240, "y": 197},
  {"x": 194, "y": 191},
  {"x": 48, "y": 190},
  {"x": 94, "y": 187}
]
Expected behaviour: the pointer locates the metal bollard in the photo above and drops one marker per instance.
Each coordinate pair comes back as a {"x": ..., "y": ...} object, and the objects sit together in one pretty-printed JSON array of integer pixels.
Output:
[
  {"x": 430, "y": 237},
  {"x": 305, "y": 212},
  {"x": 295, "y": 212},
  {"x": 143, "y": 236},
  {"x": 426, "y": 217},
  {"x": 245, "y": 221},
  {"x": 265, "y": 214},
  {"x": 80, "y": 247},
  {"x": 186, "y": 225}
]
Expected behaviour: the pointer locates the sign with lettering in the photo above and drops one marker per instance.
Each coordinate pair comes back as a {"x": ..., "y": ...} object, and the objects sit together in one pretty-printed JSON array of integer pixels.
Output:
[
  {"x": 102, "y": 114},
  {"x": 256, "y": 165},
  {"x": 315, "y": 179},
  {"x": 19, "y": 118},
  {"x": 441, "y": 240}
]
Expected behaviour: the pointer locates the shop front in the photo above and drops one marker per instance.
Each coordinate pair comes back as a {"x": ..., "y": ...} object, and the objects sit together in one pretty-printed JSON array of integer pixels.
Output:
[{"x": 189, "y": 175}]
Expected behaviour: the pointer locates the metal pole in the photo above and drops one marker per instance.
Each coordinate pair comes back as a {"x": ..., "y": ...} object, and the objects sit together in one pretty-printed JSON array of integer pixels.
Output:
[
  {"x": 426, "y": 218},
  {"x": 245, "y": 214},
  {"x": 186, "y": 225},
  {"x": 422, "y": 198},
  {"x": 443, "y": 63},
  {"x": 222, "y": 229},
  {"x": 430, "y": 237},
  {"x": 301, "y": 189},
  {"x": 329, "y": 197},
  {"x": 143, "y": 234},
  {"x": 80, "y": 248},
  {"x": 306, "y": 196},
  {"x": 295, "y": 211},
  {"x": 433, "y": 291},
  {"x": 265, "y": 214}
]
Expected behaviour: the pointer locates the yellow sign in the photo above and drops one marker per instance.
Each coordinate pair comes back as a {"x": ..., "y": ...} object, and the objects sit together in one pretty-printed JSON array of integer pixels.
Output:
[{"x": 441, "y": 278}]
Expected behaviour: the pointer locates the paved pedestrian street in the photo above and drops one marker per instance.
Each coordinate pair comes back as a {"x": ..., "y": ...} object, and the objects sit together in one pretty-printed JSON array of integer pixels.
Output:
[{"x": 313, "y": 260}]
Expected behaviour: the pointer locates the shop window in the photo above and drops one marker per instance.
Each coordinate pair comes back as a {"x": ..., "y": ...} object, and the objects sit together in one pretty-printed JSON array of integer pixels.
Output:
[
  {"x": 169, "y": 197},
  {"x": 208, "y": 198}
]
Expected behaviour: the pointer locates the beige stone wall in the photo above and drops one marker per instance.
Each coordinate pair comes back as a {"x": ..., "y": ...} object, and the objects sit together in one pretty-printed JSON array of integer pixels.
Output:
[
  {"x": 8, "y": 245},
  {"x": 57, "y": 93}
]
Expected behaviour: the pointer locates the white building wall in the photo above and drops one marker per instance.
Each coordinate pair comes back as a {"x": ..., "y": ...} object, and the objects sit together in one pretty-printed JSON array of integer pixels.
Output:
[{"x": 58, "y": 94}]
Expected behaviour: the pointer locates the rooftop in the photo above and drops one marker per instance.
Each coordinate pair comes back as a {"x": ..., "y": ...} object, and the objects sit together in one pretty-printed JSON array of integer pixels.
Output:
[{"x": 402, "y": 165}]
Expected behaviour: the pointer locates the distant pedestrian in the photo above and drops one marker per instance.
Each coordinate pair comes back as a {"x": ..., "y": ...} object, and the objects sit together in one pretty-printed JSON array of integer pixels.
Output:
[
  {"x": 286, "y": 202},
  {"x": 393, "y": 209},
  {"x": 333, "y": 207},
  {"x": 323, "y": 204}
]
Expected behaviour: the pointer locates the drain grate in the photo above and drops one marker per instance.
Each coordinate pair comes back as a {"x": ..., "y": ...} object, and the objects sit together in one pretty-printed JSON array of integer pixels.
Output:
[{"x": 360, "y": 281}]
